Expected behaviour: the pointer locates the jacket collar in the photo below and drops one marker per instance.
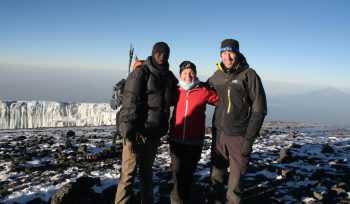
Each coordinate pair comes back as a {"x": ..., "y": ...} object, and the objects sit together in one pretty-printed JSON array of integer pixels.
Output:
[{"x": 156, "y": 70}]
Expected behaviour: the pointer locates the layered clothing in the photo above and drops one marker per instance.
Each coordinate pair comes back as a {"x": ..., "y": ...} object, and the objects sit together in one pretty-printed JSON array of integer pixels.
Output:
[
  {"x": 187, "y": 125},
  {"x": 243, "y": 105},
  {"x": 144, "y": 115},
  {"x": 149, "y": 91},
  {"x": 236, "y": 123},
  {"x": 187, "y": 131}
]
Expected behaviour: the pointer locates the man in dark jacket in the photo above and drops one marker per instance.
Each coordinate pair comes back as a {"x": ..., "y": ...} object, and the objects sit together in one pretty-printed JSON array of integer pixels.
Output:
[
  {"x": 144, "y": 120},
  {"x": 237, "y": 120}
]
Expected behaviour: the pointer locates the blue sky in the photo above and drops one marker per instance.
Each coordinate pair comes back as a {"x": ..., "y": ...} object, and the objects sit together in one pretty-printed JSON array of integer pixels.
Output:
[{"x": 85, "y": 43}]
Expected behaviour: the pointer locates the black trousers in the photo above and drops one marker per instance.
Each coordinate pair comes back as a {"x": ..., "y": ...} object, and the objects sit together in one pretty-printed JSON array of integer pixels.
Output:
[{"x": 184, "y": 160}]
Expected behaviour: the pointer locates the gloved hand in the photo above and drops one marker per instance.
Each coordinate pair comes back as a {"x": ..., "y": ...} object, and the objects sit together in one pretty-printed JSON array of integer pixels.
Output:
[
  {"x": 247, "y": 147},
  {"x": 130, "y": 137}
]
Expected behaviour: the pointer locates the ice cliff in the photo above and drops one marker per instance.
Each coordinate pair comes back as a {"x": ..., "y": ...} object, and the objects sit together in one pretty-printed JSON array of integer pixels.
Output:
[{"x": 34, "y": 114}]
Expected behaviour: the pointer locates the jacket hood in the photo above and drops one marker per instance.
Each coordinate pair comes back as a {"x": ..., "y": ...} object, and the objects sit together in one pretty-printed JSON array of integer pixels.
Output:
[{"x": 155, "y": 70}]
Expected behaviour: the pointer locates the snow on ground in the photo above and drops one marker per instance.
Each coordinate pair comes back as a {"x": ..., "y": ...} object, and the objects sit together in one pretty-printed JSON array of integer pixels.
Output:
[{"x": 290, "y": 163}]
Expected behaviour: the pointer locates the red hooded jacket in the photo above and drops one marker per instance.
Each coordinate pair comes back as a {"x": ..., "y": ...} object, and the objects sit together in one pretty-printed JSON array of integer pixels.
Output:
[{"x": 187, "y": 124}]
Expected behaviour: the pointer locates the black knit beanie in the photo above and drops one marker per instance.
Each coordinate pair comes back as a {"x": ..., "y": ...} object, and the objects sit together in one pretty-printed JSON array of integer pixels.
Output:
[
  {"x": 187, "y": 65},
  {"x": 160, "y": 47},
  {"x": 229, "y": 45}
]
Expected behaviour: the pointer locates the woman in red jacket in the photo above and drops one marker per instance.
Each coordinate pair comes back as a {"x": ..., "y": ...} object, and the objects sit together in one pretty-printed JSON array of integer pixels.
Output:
[{"x": 187, "y": 129}]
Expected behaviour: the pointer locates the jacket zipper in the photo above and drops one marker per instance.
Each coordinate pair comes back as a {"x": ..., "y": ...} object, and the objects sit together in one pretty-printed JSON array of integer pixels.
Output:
[
  {"x": 184, "y": 126},
  {"x": 229, "y": 100},
  {"x": 223, "y": 113}
]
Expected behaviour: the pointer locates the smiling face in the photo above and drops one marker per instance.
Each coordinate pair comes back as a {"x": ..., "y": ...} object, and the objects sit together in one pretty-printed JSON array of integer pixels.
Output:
[
  {"x": 188, "y": 75},
  {"x": 229, "y": 59}
]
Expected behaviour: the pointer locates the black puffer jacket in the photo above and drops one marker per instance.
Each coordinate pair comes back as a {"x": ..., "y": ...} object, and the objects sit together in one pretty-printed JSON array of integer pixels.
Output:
[
  {"x": 148, "y": 96},
  {"x": 242, "y": 102}
]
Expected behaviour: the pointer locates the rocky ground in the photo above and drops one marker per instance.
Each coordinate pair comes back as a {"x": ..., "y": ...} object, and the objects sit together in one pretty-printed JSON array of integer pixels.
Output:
[{"x": 291, "y": 163}]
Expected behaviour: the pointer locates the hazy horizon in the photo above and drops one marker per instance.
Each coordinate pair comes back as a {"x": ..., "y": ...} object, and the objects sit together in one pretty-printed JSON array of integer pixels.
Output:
[{"x": 79, "y": 85}]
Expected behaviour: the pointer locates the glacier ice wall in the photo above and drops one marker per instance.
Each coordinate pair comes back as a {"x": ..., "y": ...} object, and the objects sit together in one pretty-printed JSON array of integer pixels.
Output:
[{"x": 34, "y": 114}]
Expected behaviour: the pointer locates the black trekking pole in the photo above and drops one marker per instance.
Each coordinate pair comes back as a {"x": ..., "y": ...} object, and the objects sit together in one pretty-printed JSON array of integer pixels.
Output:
[{"x": 131, "y": 54}]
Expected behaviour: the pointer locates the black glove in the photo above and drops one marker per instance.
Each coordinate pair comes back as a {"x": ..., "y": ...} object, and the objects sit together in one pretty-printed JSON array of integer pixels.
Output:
[
  {"x": 247, "y": 147},
  {"x": 128, "y": 132}
]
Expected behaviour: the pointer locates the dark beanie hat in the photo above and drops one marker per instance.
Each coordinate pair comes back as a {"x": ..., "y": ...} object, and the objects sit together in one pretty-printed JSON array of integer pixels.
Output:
[
  {"x": 229, "y": 45},
  {"x": 160, "y": 47},
  {"x": 187, "y": 65}
]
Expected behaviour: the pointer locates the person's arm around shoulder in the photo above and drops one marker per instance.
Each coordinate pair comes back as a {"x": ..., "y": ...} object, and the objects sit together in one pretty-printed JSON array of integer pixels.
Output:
[
  {"x": 212, "y": 96},
  {"x": 173, "y": 89},
  {"x": 209, "y": 83}
]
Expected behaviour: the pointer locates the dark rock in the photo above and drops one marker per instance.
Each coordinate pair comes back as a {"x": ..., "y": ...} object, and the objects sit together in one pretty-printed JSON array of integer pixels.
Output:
[
  {"x": 70, "y": 133},
  {"x": 88, "y": 182},
  {"x": 295, "y": 145},
  {"x": 4, "y": 192},
  {"x": 62, "y": 156},
  {"x": 21, "y": 138},
  {"x": 294, "y": 135},
  {"x": 109, "y": 193},
  {"x": 77, "y": 192},
  {"x": 343, "y": 185},
  {"x": 331, "y": 196},
  {"x": 67, "y": 143},
  {"x": 84, "y": 140},
  {"x": 16, "y": 167},
  {"x": 50, "y": 142},
  {"x": 327, "y": 149},
  {"x": 60, "y": 148},
  {"x": 36, "y": 201},
  {"x": 28, "y": 169},
  {"x": 40, "y": 139},
  {"x": 63, "y": 195},
  {"x": 285, "y": 156},
  {"x": 55, "y": 155},
  {"x": 318, "y": 173},
  {"x": 275, "y": 132},
  {"x": 264, "y": 132}
]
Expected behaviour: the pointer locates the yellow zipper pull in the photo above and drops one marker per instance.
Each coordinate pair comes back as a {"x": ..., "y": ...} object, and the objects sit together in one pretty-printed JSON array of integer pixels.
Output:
[{"x": 229, "y": 100}]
